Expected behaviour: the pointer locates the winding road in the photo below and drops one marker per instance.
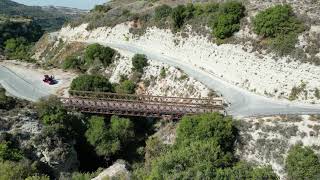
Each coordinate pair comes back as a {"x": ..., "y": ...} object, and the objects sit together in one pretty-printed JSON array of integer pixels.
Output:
[{"x": 242, "y": 102}]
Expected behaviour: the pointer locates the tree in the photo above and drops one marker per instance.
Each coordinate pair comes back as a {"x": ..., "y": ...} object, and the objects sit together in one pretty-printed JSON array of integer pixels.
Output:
[
  {"x": 72, "y": 62},
  {"x": 17, "y": 48},
  {"x": 228, "y": 19},
  {"x": 302, "y": 163},
  {"x": 15, "y": 170},
  {"x": 100, "y": 53},
  {"x": 277, "y": 20},
  {"x": 126, "y": 87},
  {"x": 96, "y": 83},
  {"x": 205, "y": 127},
  {"x": 139, "y": 61},
  {"x": 108, "y": 140},
  {"x": 178, "y": 16},
  {"x": 162, "y": 12},
  {"x": 7, "y": 152}
]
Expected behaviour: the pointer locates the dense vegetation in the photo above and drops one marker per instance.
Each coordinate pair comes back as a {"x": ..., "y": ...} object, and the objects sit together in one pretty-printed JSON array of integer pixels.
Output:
[
  {"x": 91, "y": 83},
  {"x": 16, "y": 38},
  {"x": 204, "y": 149},
  {"x": 49, "y": 18},
  {"x": 302, "y": 163},
  {"x": 139, "y": 61},
  {"x": 280, "y": 25},
  {"x": 97, "y": 52},
  {"x": 224, "y": 18}
]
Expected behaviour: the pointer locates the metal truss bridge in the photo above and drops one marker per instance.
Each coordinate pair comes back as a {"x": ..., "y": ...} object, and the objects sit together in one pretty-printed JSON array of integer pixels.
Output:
[{"x": 140, "y": 105}]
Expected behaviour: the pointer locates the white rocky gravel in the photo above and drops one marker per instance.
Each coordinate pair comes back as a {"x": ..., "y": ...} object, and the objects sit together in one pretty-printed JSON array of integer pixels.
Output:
[{"x": 242, "y": 77}]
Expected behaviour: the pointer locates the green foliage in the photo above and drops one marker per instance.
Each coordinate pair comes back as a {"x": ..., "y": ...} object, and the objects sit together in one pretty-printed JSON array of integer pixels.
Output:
[
  {"x": 277, "y": 20},
  {"x": 101, "y": 8},
  {"x": 284, "y": 44},
  {"x": 163, "y": 73},
  {"x": 178, "y": 16},
  {"x": 207, "y": 127},
  {"x": 280, "y": 24},
  {"x": 302, "y": 163},
  {"x": 5, "y": 101},
  {"x": 139, "y": 61},
  {"x": 97, "y": 52},
  {"x": 18, "y": 48},
  {"x": 38, "y": 177},
  {"x": 15, "y": 170},
  {"x": 82, "y": 176},
  {"x": 91, "y": 83},
  {"x": 296, "y": 91},
  {"x": 7, "y": 152},
  {"x": 228, "y": 19},
  {"x": 126, "y": 87},
  {"x": 108, "y": 140},
  {"x": 12, "y": 30},
  {"x": 246, "y": 171},
  {"x": 317, "y": 93},
  {"x": 162, "y": 12},
  {"x": 72, "y": 62}
]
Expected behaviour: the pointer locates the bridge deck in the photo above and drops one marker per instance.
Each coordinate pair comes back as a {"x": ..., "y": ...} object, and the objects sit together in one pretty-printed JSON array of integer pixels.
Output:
[{"x": 140, "y": 105}]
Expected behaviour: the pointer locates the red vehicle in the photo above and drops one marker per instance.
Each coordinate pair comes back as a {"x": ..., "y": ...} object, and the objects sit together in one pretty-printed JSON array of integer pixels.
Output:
[{"x": 49, "y": 79}]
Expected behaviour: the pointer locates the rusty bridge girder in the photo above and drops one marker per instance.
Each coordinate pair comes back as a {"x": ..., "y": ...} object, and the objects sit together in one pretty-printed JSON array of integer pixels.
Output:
[{"x": 140, "y": 105}]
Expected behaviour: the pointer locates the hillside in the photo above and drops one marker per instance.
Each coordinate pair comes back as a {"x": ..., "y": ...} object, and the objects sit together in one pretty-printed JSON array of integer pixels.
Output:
[{"x": 50, "y": 18}]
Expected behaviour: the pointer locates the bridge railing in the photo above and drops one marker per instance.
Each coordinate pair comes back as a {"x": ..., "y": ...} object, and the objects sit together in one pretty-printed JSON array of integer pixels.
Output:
[{"x": 147, "y": 98}]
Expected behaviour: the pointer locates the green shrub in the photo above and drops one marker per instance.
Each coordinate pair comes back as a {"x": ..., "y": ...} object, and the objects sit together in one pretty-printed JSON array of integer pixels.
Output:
[
  {"x": 18, "y": 48},
  {"x": 7, "y": 152},
  {"x": 178, "y": 16},
  {"x": 317, "y": 93},
  {"x": 126, "y": 87},
  {"x": 97, "y": 52},
  {"x": 91, "y": 83},
  {"x": 302, "y": 163},
  {"x": 38, "y": 177},
  {"x": 139, "y": 61},
  {"x": 108, "y": 140},
  {"x": 283, "y": 44},
  {"x": 296, "y": 91},
  {"x": 15, "y": 170},
  {"x": 277, "y": 20},
  {"x": 163, "y": 73},
  {"x": 162, "y": 12},
  {"x": 228, "y": 19},
  {"x": 101, "y": 8},
  {"x": 71, "y": 62}
]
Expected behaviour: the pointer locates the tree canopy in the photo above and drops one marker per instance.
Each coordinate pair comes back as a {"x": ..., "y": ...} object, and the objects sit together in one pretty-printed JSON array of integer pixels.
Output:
[
  {"x": 108, "y": 139},
  {"x": 96, "y": 83},
  {"x": 139, "y": 61},
  {"x": 97, "y": 52},
  {"x": 302, "y": 163}
]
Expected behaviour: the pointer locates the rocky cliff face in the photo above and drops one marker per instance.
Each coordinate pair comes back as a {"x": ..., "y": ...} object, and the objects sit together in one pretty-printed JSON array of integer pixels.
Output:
[{"x": 23, "y": 124}]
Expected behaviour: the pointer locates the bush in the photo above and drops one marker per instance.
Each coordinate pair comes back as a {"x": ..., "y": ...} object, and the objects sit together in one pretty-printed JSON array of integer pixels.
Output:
[
  {"x": 15, "y": 170},
  {"x": 277, "y": 20},
  {"x": 163, "y": 73},
  {"x": 228, "y": 19},
  {"x": 126, "y": 87},
  {"x": 7, "y": 152},
  {"x": 72, "y": 62},
  {"x": 101, "y": 8},
  {"x": 284, "y": 44},
  {"x": 162, "y": 12},
  {"x": 91, "y": 83},
  {"x": 139, "y": 61},
  {"x": 108, "y": 140},
  {"x": 317, "y": 93},
  {"x": 178, "y": 16},
  {"x": 18, "y": 48},
  {"x": 302, "y": 163},
  {"x": 100, "y": 53}
]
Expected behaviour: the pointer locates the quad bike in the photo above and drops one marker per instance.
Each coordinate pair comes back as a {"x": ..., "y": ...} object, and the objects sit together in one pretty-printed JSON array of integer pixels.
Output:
[{"x": 49, "y": 80}]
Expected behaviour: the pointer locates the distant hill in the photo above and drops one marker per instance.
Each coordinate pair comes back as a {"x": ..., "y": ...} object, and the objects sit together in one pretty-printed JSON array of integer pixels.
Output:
[{"x": 49, "y": 18}]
